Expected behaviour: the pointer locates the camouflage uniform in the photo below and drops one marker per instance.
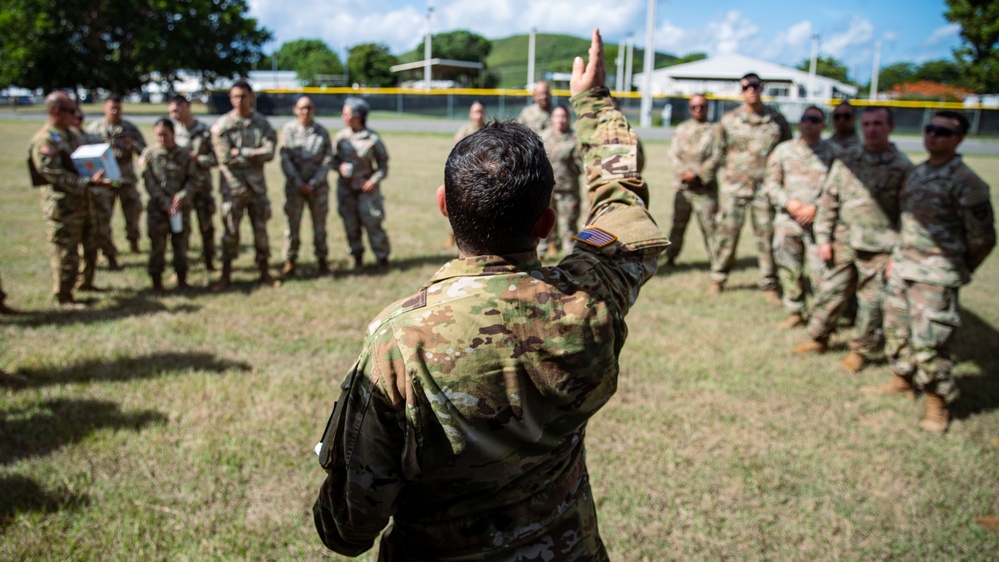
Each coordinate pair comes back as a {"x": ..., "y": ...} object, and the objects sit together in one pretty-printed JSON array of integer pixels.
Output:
[
  {"x": 125, "y": 140},
  {"x": 747, "y": 139},
  {"x": 695, "y": 147},
  {"x": 466, "y": 130},
  {"x": 198, "y": 139},
  {"x": 862, "y": 192},
  {"x": 947, "y": 230},
  {"x": 363, "y": 149},
  {"x": 796, "y": 170},
  {"x": 463, "y": 419},
  {"x": 67, "y": 206},
  {"x": 567, "y": 163},
  {"x": 535, "y": 118},
  {"x": 168, "y": 172},
  {"x": 306, "y": 157},
  {"x": 241, "y": 179}
]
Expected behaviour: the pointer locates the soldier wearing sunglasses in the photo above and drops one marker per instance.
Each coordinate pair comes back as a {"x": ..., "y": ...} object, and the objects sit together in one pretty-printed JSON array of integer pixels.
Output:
[{"x": 947, "y": 230}]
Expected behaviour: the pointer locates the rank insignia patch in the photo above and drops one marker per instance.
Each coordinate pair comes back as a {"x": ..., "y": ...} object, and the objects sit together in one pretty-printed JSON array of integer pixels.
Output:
[{"x": 595, "y": 237}]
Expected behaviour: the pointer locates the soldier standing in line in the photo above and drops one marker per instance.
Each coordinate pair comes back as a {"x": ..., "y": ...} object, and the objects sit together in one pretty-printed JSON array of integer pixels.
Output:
[
  {"x": 694, "y": 154},
  {"x": 469, "y": 403},
  {"x": 91, "y": 230},
  {"x": 795, "y": 172},
  {"x": 362, "y": 161},
  {"x": 861, "y": 192},
  {"x": 566, "y": 159},
  {"x": 170, "y": 175},
  {"x": 844, "y": 126},
  {"x": 538, "y": 115},
  {"x": 749, "y": 134},
  {"x": 306, "y": 159},
  {"x": 947, "y": 230},
  {"x": 126, "y": 141},
  {"x": 243, "y": 141},
  {"x": 477, "y": 120},
  {"x": 64, "y": 196},
  {"x": 192, "y": 134}
]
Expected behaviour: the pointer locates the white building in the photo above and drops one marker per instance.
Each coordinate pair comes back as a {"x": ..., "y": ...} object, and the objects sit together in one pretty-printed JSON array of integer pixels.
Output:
[{"x": 720, "y": 76}]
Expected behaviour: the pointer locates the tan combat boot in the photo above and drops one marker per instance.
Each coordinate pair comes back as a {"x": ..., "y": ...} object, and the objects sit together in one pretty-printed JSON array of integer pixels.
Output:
[
  {"x": 897, "y": 385},
  {"x": 935, "y": 414},
  {"x": 224, "y": 279},
  {"x": 324, "y": 267},
  {"x": 793, "y": 321},
  {"x": 265, "y": 277},
  {"x": 716, "y": 287},
  {"x": 853, "y": 362},
  {"x": 158, "y": 283},
  {"x": 772, "y": 296},
  {"x": 812, "y": 346},
  {"x": 288, "y": 269},
  {"x": 182, "y": 281}
]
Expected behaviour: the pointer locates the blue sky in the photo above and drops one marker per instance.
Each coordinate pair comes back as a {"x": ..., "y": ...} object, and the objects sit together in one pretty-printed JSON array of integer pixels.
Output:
[{"x": 913, "y": 30}]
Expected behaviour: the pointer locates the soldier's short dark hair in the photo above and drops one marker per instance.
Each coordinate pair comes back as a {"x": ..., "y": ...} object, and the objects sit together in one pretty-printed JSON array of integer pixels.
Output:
[
  {"x": 165, "y": 122},
  {"x": 749, "y": 75},
  {"x": 358, "y": 107},
  {"x": 962, "y": 122},
  {"x": 497, "y": 184},
  {"x": 179, "y": 100},
  {"x": 888, "y": 112},
  {"x": 242, "y": 85},
  {"x": 563, "y": 107},
  {"x": 816, "y": 108},
  {"x": 846, "y": 103},
  {"x": 113, "y": 98}
]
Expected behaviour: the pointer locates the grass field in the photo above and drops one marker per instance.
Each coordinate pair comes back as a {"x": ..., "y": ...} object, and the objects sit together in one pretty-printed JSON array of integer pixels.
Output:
[{"x": 181, "y": 427}]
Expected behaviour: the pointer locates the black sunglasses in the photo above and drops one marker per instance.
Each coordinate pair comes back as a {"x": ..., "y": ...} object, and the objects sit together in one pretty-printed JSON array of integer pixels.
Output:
[
  {"x": 810, "y": 119},
  {"x": 842, "y": 116},
  {"x": 938, "y": 131},
  {"x": 753, "y": 85}
]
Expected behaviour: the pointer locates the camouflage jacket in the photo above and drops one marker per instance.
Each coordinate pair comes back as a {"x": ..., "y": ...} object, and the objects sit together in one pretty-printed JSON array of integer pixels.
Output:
[
  {"x": 254, "y": 140},
  {"x": 167, "y": 172},
  {"x": 464, "y": 416},
  {"x": 696, "y": 147},
  {"x": 948, "y": 224},
  {"x": 306, "y": 153},
  {"x": 797, "y": 171},
  {"x": 125, "y": 140},
  {"x": 198, "y": 139},
  {"x": 862, "y": 191},
  {"x": 566, "y": 159},
  {"x": 535, "y": 118},
  {"x": 747, "y": 139},
  {"x": 846, "y": 143},
  {"x": 51, "y": 150},
  {"x": 363, "y": 149},
  {"x": 466, "y": 130}
]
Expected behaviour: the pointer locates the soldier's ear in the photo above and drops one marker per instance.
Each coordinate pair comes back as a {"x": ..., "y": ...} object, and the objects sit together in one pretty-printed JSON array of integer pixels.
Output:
[
  {"x": 545, "y": 223},
  {"x": 441, "y": 200}
]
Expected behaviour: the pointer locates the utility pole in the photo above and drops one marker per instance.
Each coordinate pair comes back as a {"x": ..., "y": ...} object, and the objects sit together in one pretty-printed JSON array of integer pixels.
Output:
[
  {"x": 876, "y": 70},
  {"x": 812, "y": 67},
  {"x": 530, "y": 58},
  {"x": 427, "y": 50},
  {"x": 650, "y": 54},
  {"x": 628, "y": 63},
  {"x": 619, "y": 81}
]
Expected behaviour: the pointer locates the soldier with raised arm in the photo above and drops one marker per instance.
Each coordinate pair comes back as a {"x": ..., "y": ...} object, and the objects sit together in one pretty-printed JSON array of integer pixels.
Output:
[{"x": 461, "y": 425}]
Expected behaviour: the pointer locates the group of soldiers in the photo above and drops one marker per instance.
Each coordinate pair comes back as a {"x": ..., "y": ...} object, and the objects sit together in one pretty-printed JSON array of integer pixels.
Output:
[
  {"x": 177, "y": 175},
  {"x": 850, "y": 220}
]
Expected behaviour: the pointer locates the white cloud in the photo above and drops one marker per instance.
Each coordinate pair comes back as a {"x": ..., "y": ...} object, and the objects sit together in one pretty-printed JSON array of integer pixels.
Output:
[{"x": 942, "y": 34}]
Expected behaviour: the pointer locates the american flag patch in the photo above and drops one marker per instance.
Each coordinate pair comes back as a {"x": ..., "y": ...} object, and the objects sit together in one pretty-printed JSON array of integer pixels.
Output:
[{"x": 595, "y": 237}]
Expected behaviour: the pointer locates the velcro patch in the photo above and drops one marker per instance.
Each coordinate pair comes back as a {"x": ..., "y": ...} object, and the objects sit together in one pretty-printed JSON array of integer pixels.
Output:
[
  {"x": 595, "y": 237},
  {"x": 982, "y": 211}
]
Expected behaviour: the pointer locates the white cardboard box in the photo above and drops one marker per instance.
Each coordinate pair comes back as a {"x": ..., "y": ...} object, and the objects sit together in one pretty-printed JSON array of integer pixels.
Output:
[{"x": 92, "y": 158}]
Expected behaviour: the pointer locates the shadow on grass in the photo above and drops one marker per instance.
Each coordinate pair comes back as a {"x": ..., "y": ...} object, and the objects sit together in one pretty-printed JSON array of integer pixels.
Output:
[
  {"x": 745, "y": 262},
  {"x": 137, "y": 303},
  {"x": 19, "y": 494},
  {"x": 977, "y": 341},
  {"x": 129, "y": 368},
  {"x": 41, "y": 429}
]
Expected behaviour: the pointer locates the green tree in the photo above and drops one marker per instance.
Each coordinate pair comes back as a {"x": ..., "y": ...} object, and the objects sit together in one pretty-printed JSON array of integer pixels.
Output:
[
  {"x": 689, "y": 57},
  {"x": 942, "y": 71},
  {"x": 896, "y": 73},
  {"x": 118, "y": 44},
  {"x": 307, "y": 57},
  {"x": 828, "y": 67},
  {"x": 458, "y": 45},
  {"x": 979, "y": 57},
  {"x": 369, "y": 64}
]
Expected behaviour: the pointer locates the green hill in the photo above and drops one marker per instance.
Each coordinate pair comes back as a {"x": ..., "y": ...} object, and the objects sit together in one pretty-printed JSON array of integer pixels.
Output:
[{"x": 553, "y": 53}]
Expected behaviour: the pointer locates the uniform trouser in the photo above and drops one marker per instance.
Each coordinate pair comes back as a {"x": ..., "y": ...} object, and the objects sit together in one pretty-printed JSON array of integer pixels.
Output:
[
  {"x": 319, "y": 207},
  {"x": 798, "y": 265},
  {"x": 158, "y": 227},
  {"x": 920, "y": 320},
  {"x": 203, "y": 204},
  {"x": 870, "y": 300},
  {"x": 567, "y": 207},
  {"x": 733, "y": 214},
  {"x": 131, "y": 206},
  {"x": 702, "y": 202},
  {"x": 71, "y": 224},
  {"x": 358, "y": 208},
  {"x": 258, "y": 207},
  {"x": 836, "y": 288}
]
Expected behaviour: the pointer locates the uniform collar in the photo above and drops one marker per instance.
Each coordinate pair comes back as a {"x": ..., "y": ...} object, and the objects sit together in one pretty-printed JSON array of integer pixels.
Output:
[{"x": 487, "y": 265}]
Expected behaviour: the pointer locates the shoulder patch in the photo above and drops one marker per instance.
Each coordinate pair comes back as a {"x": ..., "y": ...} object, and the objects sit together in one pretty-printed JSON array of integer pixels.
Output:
[
  {"x": 982, "y": 211},
  {"x": 595, "y": 237}
]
